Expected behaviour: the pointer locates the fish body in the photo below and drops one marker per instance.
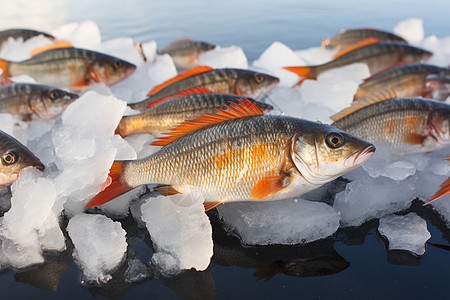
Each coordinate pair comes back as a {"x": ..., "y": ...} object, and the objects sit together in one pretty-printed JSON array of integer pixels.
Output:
[
  {"x": 251, "y": 157},
  {"x": 70, "y": 67},
  {"x": 349, "y": 37},
  {"x": 14, "y": 157},
  {"x": 25, "y": 34},
  {"x": 227, "y": 81},
  {"x": 185, "y": 53},
  {"x": 175, "y": 111},
  {"x": 32, "y": 101},
  {"x": 410, "y": 80},
  {"x": 401, "y": 125},
  {"x": 377, "y": 57}
]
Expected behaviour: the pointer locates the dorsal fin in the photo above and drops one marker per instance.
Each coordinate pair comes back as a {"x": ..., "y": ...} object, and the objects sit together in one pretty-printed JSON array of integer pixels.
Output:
[
  {"x": 360, "y": 44},
  {"x": 55, "y": 45},
  {"x": 364, "y": 102},
  {"x": 180, "y": 41},
  {"x": 188, "y": 73},
  {"x": 194, "y": 90},
  {"x": 244, "y": 108}
]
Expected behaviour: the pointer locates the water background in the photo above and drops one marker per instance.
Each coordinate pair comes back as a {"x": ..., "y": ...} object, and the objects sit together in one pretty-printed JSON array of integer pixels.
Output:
[{"x": 373, "y": 273}]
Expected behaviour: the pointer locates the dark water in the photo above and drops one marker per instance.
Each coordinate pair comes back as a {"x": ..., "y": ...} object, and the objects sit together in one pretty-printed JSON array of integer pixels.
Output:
[{"x": 353, "y": 264}]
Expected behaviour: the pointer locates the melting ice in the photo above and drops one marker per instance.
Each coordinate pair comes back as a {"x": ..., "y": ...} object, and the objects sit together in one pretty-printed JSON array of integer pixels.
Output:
[{"x": 79, "y": 147}]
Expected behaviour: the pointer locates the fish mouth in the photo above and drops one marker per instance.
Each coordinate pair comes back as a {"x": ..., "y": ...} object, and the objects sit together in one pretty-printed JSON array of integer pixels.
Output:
[{"x": 360, "y": 156}]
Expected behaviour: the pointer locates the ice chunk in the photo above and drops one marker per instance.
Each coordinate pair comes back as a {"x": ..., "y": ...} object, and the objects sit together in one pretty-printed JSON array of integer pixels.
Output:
[
  {"x": 277, "y": 56},
  {"x": 411, "y": 30},
  {"x": 407, "y": 232},
  {"x": 182, "y": 236},
  {"x": 100, "y": 245},
  {"x": 119, "y": 207},
  {"x": 81, "y": 35},
  {"x": 315, "y": 55},
  {"x": 397, "y": 170},
  {"x": 288, "y": 222},
  {"x": 224, "y": 57},
  {"x": 136, "y": 271}
]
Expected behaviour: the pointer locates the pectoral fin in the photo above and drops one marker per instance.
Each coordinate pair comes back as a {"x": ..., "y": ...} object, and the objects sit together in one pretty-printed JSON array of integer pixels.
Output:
[
  {"x": 268, "y": 186},
  {"x": 211, "y": 205}
]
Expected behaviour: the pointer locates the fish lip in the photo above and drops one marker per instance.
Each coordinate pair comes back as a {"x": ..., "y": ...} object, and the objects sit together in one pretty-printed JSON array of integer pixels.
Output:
[{"x": 360, "y": 156}]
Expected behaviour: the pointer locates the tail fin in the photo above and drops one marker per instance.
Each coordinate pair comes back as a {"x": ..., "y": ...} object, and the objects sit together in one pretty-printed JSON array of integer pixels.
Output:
[
  {"x": 115, "y": 186},
  {"x": 445, "y": 190},
  {"x": 304, "y": 72},
  {"x": 4, "y": 66}
]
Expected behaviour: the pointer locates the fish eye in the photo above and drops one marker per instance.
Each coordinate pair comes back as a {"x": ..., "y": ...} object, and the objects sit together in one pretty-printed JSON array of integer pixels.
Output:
[
  {"x": 10, "y": 158},
  {"x": 334, "y": 140},
  {"x": 259, "y": 78},
  {"x": 116, "y": 64},
  {"x": 54, "y": 94}
]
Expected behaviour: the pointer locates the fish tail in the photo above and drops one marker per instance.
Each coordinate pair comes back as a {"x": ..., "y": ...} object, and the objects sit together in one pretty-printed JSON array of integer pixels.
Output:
[
  {"x": 445, "y": 190},
  {"x": 304, "y": 72},
  {"x": 4, "y": 66},
  {"x": 115, "y": 185}
]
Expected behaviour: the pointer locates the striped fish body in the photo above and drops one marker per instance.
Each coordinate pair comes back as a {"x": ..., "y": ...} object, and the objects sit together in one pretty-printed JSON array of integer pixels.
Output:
[
  {"x": 226, "y": 161},
  {"x": 25, "y": 34},
  {"x": 71, "y": 67},
  {"x": 227, "y": 81},
  {"x": 349, "y": 37},
  {"x": 411, "y": 80},
  {"x": 377, "y": 57},
  {"x": 32, "y": 101},
  {"x": 185, "y": 53},
  {"x": 172, "y": 112},
  {"x": 401, "y": 125}
]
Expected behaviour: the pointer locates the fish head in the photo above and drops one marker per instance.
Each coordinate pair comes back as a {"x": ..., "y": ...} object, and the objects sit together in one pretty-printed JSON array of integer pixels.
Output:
[
  {"x": 437, "y": 86},
  {"x": 325, "y": 153},
  {"x": 14, "y": 157},
  {"x": 438, "y": 124},
  {"x": 110, "y": 70},
  {"x": 47, "y": 102},
  {"x": 254, "y": 84}
]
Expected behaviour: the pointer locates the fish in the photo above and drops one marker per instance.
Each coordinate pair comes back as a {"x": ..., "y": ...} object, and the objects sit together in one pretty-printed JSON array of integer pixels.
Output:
[
  {"x": 401, "y": 125},
  {"x": 187, "y": 105},
  {"x": 73, "y": 68},
  {"x": 444, "y": 188},
  {"x": 239, "y": 82},
  {"x": 185, "y": 52},
  {"x": 348, "y": 37},
  {"x": 34, "y": 101},
  {"x": 240, "y": 154},
  {"x": 14, "y": 157},
  {"x": 379, "y": 56},
  {"x": 410, "y": 80},
  {"x": 25, "y": 34}
]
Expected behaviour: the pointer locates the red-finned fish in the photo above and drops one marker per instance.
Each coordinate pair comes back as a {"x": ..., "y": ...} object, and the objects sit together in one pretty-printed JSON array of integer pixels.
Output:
[
  {"x": 70, "y": 67},
  {"x": 348, "y": 37},
  {"x": 227, "y": 81},
  {"x": 401, "y": 125},
  {"x": 410, "y": 80},
  {"x": 444, "y": 188},
  {"x": 32, "y": 101},
  {"x": 185, "y": 52},
  {"x": 14, "y": 157},
  {"x": 377, "y": 56},
  {"x": 187, "y": 105},
  {"x": 25, "y": 34},
  {"x": 241, "y": 155}
]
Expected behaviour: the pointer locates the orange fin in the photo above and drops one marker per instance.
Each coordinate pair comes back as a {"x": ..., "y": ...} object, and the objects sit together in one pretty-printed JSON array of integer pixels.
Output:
[
  {"x": 444, "y": 190},
  {"x": 267, "y": 272},
  {"x": 415, "y": 139},
  {"x": 304, "y": 72},
  {"x": 210, "y": 205},
  {"x": 267, "y": 187},
  {"x": 244, "y": 108},
  {"x": 4, "y": 66},
  {"x": 404, "y": 62},
  {"x": 167, "y": 190},
  {"x": 180, "y": 41},
  {"x": 55, "y": 45},
  {"x": 364, "y": 102},
  {"x": 117, "y": 187},
  {"x": 194, "y": 90},
  {"x": 82, "y": 84},
  {"x": 366, "y": 42},
  {"x": 188, "y": 73}
]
